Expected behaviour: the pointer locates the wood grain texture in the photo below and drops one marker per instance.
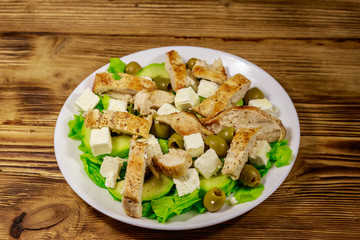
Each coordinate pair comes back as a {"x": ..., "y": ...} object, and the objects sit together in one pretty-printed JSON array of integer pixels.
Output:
[
  {"x": 206, "y": 18},
  {"x": 312, "y": 48}
]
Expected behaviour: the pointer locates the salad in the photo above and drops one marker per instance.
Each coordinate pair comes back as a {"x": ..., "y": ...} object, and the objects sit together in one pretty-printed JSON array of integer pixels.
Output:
[{"x": 173, "y": 137}]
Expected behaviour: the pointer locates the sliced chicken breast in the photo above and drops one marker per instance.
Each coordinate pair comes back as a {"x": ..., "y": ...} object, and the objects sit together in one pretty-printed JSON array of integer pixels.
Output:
[
  {"x": 215, "y": 72},
  {"x": 238, "y": 152},
  {"x": 184, "y": 123},
  {"x": 134, "y": 179},
  {"x": 176, "y": 69},
  {"x": 270, "y": 128},
  {"x": 124, "y": 88},
  {"x": 175, "y": 163},
  {"x": 119, "y": 122},
  {"x": 228, "y": 94},
  {"x": 147, "y": 102}
]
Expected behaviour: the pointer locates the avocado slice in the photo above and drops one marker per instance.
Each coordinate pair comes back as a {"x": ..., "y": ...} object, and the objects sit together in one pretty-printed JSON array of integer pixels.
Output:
[
  {"x": 223, "y": 182},
  {"x": 153, "y": 188},
  {"x": 120, "y": 146},
  {"x": 153, "y": 70}
]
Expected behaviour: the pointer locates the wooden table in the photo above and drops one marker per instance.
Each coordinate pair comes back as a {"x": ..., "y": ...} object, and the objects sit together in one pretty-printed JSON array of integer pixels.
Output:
[{"x": 312, "y": 48}]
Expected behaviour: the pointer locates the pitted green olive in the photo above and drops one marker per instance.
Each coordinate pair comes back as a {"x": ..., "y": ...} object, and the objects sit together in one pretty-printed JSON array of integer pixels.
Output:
[
  {"x": 176, "y": 141},
  {"x": 163, "y": 83},
  {"x": 227, "y": 133},
  {"x": 132, "y": 68},
  {"x": 250, "y": 176},
  {"x": 160, "y": 130},
  {"x": 191, "y": 62},
  {"x": 218, "y": 144},
  {"x": 253, "y": 93},
  {"x": 214, "y": 199}
]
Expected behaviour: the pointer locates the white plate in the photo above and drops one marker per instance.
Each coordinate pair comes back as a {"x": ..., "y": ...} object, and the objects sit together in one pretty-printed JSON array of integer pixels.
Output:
[{"x": 67, "y": 154}]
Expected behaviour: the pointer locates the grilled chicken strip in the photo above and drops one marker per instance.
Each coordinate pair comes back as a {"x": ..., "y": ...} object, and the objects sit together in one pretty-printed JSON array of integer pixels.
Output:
[
  {"x": 175, "y": 163},
  {"x": 215, "y": 72},
  {"x": 271, "y": 128},
  {"x": 134, "y": 179},
  {"x": 228, "y": 94},
  {"x": 184, "y": 123},
  {"x": 146, "y": 101},
  {"x": 176, "y": 69},
  {"x": 124, "y": 88},
  {"x": 238, "y": 152},
  {"x": 119, "y": 122}
]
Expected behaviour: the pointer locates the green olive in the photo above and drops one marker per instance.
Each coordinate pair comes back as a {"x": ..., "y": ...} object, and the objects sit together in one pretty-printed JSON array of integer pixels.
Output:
[
  {"x": 160, "y": 130},
  {"x": 163, "y": 83},
  {"x": 250, "y": 176},
  {"x": 214, "y": 199},
  {"x": 176, "y": 141},
  {"x": 218, "y": 144},
  {"x": 132, "y": 68},
  {"x": 191, "y": 62},
  {"x": 253, "y": 93},
  {"x": 227, "y": 133}
]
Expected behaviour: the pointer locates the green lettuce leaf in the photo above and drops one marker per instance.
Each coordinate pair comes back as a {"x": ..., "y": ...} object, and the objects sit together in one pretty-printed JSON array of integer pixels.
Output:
[
  {"x": 105, "y": 101},
  {"x": 240, "y": 103},
  {"x": 201, "y": 99},
  {"x": 247, "y": 194},
  {"x": 280, "y": 153},
  {"x": 93, "y": 171},
  {"x": 168, "y": 206},
  {"x": 263, "y": 169},
  {"x": 75, "y": 127},
  {"x": 116, "y": 66},
  {"x": 147, "y": 211}
]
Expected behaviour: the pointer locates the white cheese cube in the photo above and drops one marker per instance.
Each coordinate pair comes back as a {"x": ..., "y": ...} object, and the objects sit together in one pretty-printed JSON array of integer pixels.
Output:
[
  {"x": 187, "y": 183},
  {"x": 110, "y": 169},
  {"x": 258, "y": 153},
  {"x": 167, "y": 109},
  {"x": 186, "y": 98},
  {"x": 194, "y": 144},
  {"x": 154, "y": 147},
  {"x": 87, "y": 100},
  {"x": 100, "y": 141},
  {"x": 208, "y": 164},
  {"x": 264, "y": 105},
  {"x": 207, "y": 88},
  {"x": 117, "y": 105}
]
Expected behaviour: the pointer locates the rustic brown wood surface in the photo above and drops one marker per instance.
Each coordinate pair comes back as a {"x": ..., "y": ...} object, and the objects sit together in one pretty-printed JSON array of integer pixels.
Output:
[{"x": 311, "y": 47}]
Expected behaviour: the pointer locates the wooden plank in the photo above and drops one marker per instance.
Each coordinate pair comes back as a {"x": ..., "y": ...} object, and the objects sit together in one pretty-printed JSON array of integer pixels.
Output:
[
  {"x": 324, "y": 71},
  {"x": 231, "y": 19}
]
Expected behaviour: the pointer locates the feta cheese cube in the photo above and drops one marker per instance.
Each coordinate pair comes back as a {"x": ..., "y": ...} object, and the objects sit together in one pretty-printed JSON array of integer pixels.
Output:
[
  {"x": 110, "y": 169},
  {"x": 87, "y": 100},
  {"x": 167, "y": 109},
  {"x": 100, "y": 141},
  {"x": 117, "y": 105},
  {"x": 264, "y": 105},
  {"x": 207, "y": 88},
  {"x": 194, "y": 144},
  {"x": 186, "y": 98},
  {"x": 154, "y": 147},
  {"x": 258, "y": 153},
  {"x": 187, "y": 183},
  {"x": 208, "y": 164}
]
